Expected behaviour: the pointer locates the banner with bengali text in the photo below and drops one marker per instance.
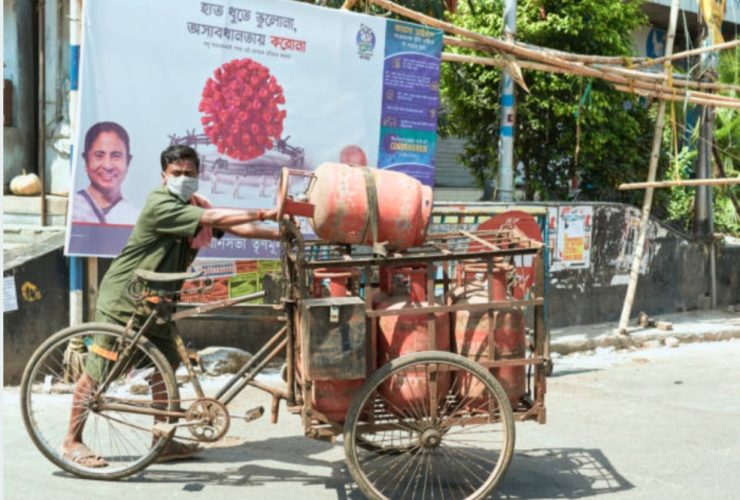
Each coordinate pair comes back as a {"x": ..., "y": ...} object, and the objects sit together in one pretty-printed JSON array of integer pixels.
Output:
[{"x": 253, "y": 86}]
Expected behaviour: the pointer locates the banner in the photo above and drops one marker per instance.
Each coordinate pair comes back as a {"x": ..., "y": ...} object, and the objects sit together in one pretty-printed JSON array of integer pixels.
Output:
[{"x": 253, "y": 86}]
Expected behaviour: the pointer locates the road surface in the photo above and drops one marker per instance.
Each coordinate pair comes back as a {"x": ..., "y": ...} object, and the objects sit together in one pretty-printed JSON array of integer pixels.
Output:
[{"x": 647, "y": 424}]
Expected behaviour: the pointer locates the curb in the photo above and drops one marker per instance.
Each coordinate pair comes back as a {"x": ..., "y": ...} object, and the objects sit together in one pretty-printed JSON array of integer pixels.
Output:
[{"x": 650, "y": 337}]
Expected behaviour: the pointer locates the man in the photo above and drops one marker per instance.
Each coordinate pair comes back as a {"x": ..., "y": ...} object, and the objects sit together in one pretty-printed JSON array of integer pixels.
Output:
[
  {"x": 107, "y": 158},
  {"x": 162, "y": 241},
  {"x": 353, "y": 155}
]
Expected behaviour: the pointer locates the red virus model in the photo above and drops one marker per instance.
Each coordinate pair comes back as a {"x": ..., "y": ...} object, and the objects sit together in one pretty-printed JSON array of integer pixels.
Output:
[{"x": 240, "y": 109}]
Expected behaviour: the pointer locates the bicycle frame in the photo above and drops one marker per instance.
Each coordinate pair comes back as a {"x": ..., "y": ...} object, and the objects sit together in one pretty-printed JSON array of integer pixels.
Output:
[{"x": 162, "y": 312}]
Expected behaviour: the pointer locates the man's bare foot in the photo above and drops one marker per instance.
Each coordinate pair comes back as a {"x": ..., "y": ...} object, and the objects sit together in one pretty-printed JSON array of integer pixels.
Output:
[{"x": 80, "y": 454}]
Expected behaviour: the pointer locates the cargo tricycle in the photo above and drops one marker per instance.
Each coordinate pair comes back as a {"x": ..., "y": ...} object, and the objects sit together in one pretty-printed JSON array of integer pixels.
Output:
[{"x": 420, "y": 358}]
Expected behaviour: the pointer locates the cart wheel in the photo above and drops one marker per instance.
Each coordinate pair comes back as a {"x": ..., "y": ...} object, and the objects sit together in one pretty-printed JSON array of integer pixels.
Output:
[{"x": 426, "y": 425}]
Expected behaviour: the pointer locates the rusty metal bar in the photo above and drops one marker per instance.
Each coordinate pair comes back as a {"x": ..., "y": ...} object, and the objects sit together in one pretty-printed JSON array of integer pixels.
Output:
[
  {"x": 248, "y": 365},
  {"x": 275, "y": 391},
  {"x": 226, "y": 399},
  {"x": 542, "y": 341},
  {"x": 183, "y": 352},
  {"x": 216, "y": 305},
  {"x": 497, "y": 304},
  {"x": 124, "y": 408},
  {"x": 480, "y": 240},
  {"x": 535, "y": 412},
  {"x": 290, "y": 355},
  {"x": 535, "y": 361}
]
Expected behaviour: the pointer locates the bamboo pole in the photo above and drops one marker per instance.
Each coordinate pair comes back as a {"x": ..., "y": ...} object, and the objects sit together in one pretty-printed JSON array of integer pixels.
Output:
[
  {"x": 726, "y": 181},
  {"x": 669, "y": 96},
  {"x": 648, "y": 200},
  {"x": 689, "y": 53},
  {"x": 585, "y": 58},
  {"x": 663, "y": 92},
  {"x": 568, "y": 56},
  {"x": 645, "y": 76}
]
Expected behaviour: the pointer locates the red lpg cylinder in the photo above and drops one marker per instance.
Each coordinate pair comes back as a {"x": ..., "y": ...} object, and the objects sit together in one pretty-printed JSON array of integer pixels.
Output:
[
  {"x": 332, "y": 397},
  {"x": 342, "y": 208},
  {"x": 471, "y": 339},
  {"x": 407, "y": 334},
  {"x": 338, "y": 281}
]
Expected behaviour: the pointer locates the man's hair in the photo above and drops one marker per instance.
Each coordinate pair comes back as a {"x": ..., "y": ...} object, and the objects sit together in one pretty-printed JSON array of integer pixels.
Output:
[
  {"x": 178, "y": 153},
  {"x": 100, "y": 127}
]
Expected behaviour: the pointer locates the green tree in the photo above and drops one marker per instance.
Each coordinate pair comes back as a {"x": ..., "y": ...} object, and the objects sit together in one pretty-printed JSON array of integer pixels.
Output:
[
  {"x": 612, "y": 129},
  {"x": 726, "y": 161}
]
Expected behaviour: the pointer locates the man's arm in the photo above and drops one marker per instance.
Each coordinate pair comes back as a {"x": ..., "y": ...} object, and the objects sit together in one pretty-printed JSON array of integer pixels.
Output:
[
  {"x": 242, "y": 222},
  {"x": 227, "y": 218},
  {"x": 253, "y": 230}
]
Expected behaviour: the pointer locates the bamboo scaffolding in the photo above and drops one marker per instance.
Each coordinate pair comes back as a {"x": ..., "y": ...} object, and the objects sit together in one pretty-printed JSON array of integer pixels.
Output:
[
  {"x": 678, "y": 79},
  {"x": 512, "y": 49},
  {"x": 726, "y": 181},
  {"x": 647, "y": 89}
]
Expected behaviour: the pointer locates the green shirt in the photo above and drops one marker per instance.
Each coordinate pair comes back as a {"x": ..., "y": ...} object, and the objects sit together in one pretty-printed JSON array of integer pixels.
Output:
[{"x": 159, "y": 242}]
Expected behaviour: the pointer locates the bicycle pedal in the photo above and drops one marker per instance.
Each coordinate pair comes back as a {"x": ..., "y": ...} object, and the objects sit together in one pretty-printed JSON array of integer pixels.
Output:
[
  {"x": 254, "y": 413},
  {"x": 163, "y": 430}
]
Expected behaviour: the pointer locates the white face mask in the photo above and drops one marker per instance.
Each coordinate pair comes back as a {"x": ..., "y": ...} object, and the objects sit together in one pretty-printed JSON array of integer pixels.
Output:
[{"x": 182, "y": 186}]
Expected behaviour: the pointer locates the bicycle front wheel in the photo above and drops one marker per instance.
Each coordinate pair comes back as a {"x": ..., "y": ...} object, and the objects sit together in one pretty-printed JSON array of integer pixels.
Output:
[{"x": 123, "y": 436}]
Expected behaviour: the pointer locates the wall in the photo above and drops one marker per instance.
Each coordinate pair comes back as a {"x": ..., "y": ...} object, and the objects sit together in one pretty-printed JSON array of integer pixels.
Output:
[
  {"x": 674, "y": 273},
  {"x": 39, "y": 273},
  {"x": 19, "y": 67}
]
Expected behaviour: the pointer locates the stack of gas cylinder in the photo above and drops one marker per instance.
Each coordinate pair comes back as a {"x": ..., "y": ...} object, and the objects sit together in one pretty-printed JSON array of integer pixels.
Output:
[
  {"x": 341, "y": 198},
  {"x": 472, "y": 329}
]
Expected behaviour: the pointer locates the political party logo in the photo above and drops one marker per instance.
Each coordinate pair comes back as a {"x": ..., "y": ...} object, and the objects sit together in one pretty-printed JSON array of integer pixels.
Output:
[{"x": 365, "y": 40}]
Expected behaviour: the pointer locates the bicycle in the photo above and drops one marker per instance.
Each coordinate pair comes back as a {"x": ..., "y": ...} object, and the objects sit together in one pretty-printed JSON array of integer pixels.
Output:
[{"x": 132, "y": 413}]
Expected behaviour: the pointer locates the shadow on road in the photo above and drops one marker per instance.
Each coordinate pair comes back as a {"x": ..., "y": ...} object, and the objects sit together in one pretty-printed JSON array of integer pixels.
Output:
[
  {"x": 560, "y": 473},
  {"x": 533, "y": 474},
  {"x": 295, "y": 452}
]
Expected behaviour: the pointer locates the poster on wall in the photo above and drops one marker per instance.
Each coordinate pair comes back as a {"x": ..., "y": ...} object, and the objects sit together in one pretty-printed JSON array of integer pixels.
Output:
[
  {"x": 253, "y": 86},
  {"x": 573, "y": 238}
]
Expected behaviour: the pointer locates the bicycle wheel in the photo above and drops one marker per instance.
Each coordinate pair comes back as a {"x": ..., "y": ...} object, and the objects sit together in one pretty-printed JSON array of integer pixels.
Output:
[
  {"x": 419, "y": 428},
  {"x": 124, "y": 439}
]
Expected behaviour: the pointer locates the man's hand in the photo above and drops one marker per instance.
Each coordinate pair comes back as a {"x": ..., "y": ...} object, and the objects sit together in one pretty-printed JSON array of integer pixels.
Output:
[{"x": 270, "y": 214}]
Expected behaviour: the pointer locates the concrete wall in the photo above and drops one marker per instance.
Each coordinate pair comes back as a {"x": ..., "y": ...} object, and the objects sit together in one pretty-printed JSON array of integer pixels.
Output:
[
  {"x": 39, "y": 274},
  {"x": 674, "y": 273}
]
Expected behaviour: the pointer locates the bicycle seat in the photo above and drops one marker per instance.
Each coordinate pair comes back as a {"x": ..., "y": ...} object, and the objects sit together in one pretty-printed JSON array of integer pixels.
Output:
[{"x": 154, "y": 277}]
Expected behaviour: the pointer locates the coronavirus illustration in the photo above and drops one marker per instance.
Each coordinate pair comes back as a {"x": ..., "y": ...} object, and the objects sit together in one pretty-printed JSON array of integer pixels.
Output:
[{"x": 241, "y": 109}]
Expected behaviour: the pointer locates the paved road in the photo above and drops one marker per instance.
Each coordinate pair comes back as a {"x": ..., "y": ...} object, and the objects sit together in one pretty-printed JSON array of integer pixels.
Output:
[{"x": 648, "y": 424}]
